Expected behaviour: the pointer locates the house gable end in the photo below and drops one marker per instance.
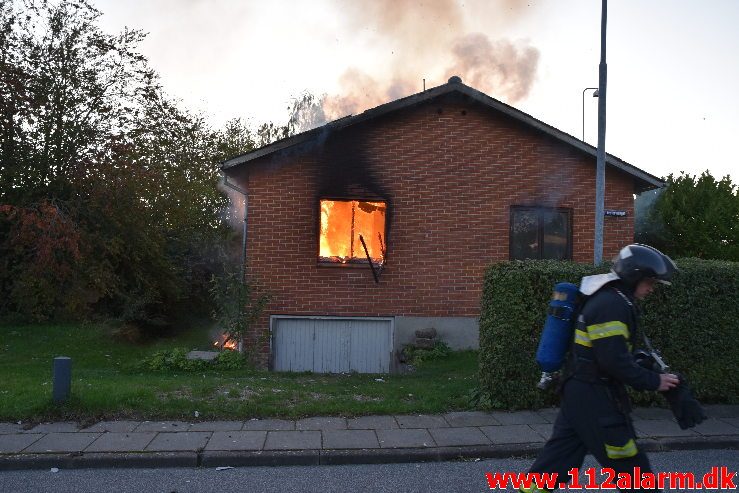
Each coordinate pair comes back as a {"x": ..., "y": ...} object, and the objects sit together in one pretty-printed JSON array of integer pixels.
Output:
[{"x": 452, "y": 91}]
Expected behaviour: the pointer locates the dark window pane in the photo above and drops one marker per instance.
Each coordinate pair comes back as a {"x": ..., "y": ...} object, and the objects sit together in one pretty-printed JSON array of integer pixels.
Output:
[
  {"x": 555, "y": 229},
  {"x": 524, "y": 235}
]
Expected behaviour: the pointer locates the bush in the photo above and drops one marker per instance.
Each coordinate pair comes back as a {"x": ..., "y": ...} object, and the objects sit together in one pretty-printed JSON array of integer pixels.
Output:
[
  {"x": 230, "y": 360},
  {"x": 176, "y": 360},
  {"x": 417, "y": 356},
  {"x": 693, "y": 322},
  {"x": 238, "y": 304}
]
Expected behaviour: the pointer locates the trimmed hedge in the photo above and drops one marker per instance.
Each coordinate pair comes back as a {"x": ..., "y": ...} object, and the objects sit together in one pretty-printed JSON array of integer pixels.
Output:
[{"x": 694, "y": 323}]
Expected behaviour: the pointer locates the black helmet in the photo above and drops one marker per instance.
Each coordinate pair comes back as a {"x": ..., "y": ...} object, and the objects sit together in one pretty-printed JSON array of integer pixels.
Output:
[{"x": 636, "y": 262}]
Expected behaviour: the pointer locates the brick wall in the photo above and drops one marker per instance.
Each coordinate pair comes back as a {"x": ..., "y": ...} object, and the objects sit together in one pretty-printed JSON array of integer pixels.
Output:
[{"x": 449, "y": 171}]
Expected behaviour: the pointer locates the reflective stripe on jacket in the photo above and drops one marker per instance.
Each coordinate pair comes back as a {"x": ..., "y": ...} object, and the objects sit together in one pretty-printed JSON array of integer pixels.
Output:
[{"x": 605, "y": 333}]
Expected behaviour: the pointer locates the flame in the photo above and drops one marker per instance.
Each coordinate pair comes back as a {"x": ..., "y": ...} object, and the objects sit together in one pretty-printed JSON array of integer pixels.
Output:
[
  {"x": 225, "y": 341},
  {"x": 342, "y": 223}
]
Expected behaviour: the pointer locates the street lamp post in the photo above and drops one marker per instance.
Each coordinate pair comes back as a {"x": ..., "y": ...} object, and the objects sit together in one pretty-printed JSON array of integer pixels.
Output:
[
  {"x": 595, "y": 95},
  {"x": 600, "y": 174}
]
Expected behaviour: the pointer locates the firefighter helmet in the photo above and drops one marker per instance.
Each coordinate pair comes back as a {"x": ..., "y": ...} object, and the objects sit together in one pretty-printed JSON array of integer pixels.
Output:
[{"x": 636, "y": 262}]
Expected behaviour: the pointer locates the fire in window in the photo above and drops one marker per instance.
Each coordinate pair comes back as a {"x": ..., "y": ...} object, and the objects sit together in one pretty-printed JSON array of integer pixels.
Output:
[{"x": 344, "y": 224}]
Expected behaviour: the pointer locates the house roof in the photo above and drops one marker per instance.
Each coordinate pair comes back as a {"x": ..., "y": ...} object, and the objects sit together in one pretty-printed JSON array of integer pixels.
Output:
[{"x": 642, "y": 179}]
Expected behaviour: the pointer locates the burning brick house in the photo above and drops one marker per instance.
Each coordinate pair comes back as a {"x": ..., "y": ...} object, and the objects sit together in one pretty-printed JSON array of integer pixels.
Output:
[{"x": 376, "y": 225}]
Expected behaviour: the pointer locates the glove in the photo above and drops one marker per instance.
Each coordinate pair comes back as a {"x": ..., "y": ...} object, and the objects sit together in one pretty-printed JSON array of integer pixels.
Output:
[{"x": 686, "y": 409}]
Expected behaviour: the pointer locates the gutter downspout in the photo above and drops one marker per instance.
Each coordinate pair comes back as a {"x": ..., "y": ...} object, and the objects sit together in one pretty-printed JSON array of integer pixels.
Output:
[{"x": 243, "y": 239}]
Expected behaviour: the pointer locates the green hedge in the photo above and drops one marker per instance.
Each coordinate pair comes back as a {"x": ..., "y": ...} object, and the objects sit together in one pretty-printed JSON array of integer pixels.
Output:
[{"x": 694, "y": 322}]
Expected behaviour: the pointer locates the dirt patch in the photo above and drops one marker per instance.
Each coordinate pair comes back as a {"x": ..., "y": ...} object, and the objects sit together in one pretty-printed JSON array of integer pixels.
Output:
[
  {"x": 234, "y": 393},
  {"x": 366, "y": 398},
  {"x": 320, "y": 397},
  {"x": 247, "y": 393},
  {"x": 185, "y": 393}
]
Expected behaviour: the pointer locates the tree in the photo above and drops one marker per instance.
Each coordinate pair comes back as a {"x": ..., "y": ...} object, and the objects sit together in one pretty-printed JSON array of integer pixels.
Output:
[
  {"x": 306, "y": 113},
  {"x": 66, "y": 87},
  {"x": 695, "y": 217},
  {"x": 233, "y": 139},
  {"x": 108, "y": 190}
]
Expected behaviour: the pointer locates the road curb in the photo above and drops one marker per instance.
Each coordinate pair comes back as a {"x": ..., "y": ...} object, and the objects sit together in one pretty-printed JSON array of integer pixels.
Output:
[
  {"x": 214, "y": 459},
  {"x": 99, "y": 460},
  {"x": 260, "y": 458},
  {"x": 698, "y": 443},
  {"x": 431, "y": 454}
]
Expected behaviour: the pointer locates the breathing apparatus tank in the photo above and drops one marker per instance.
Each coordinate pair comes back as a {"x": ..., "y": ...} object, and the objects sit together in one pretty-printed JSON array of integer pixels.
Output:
[{"x": 557, "y": 333}]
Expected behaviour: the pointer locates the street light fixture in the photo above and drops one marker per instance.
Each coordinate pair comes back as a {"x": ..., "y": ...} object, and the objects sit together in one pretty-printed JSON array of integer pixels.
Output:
[{"x": 595, "y": 95}]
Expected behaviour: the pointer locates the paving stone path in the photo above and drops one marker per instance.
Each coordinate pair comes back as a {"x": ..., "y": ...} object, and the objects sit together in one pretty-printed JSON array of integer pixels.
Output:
[{"x": 327, "y": 439}]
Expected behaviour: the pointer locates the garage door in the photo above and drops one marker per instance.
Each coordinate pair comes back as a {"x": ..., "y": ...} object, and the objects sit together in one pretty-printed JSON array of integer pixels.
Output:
[{"x": 332, "y": 345}]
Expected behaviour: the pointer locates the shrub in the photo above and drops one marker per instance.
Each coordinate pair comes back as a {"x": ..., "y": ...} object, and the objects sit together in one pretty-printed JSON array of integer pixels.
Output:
[
  {"x": 173, "y": 359},
  {"x": 176, "y": 360},
  {"x": 693, "y": 323},
  {"x": 230, "y": 360},
  {"x": 417, "y": 356},
  {"x": 238, "y": 304}
]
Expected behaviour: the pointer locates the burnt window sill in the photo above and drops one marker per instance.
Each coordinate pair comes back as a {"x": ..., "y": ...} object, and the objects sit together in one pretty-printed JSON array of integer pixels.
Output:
[{"x": 349, "y": 264}]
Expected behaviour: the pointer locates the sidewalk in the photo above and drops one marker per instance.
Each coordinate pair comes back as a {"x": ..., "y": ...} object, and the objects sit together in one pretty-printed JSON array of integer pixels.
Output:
[{"x": 327, "y": 440}]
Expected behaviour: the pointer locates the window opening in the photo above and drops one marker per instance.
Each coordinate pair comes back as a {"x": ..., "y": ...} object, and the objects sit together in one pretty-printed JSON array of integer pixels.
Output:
[
  {"x": 343, "y": 226},
  {"x": 540, "y": 233}
]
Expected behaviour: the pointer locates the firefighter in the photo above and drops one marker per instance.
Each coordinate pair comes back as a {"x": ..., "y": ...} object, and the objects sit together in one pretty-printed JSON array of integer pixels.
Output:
[{"x": 594, "y": 410}]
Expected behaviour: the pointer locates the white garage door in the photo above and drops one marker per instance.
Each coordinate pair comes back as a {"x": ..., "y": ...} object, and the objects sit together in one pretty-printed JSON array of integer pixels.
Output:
[{"x": 332, "y": 345}]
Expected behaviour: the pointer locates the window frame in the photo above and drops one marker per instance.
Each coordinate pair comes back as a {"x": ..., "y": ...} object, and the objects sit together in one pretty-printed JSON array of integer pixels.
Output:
[
  {"x": 355, "y": 262},
  {"x": 539, "y": 229}
]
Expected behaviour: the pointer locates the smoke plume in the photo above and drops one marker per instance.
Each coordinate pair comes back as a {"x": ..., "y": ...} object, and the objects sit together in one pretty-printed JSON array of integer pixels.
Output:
[
  {"x": 360, "y": 91},
  {"x": 234, "y": 213},
  {"x": 500, "y": 67},
  {"x": 432, "y": 39}
]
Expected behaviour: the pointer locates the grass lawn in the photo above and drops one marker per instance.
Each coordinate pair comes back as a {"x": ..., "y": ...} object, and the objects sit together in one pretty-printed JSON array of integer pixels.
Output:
[{"x": 105, "y": 384}]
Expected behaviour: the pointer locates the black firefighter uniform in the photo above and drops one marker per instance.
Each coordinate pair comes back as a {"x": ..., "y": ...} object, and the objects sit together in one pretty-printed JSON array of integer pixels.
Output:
[{"x": 594, "y": 410}]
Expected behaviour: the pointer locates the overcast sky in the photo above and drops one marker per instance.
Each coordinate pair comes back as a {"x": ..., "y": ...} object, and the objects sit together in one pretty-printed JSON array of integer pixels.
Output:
[{"x": 672, "y": 102}]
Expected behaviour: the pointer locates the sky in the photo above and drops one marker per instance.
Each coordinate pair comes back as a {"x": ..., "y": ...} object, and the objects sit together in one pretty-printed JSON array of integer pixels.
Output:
[{"x": 672, "y": 99}]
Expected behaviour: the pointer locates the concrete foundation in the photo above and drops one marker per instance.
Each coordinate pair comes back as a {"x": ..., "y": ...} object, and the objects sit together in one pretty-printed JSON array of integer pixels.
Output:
[{"x": 458, "y": 332}]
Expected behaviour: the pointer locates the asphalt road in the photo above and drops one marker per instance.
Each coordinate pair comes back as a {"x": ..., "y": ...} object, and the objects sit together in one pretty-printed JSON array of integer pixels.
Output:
[{"x": 444, "y": 477}]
